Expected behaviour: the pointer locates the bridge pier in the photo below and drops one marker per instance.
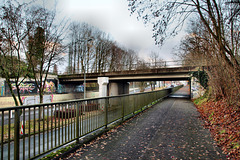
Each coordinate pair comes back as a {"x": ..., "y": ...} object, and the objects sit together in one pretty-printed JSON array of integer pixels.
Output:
[
  {"x": 118, "y": 88},
  {"x": 103, "y": 85},
  {"x": 112, "y": 88},
  {"x": 190, "y": 88},
  {"x": 103, "y": 82}
]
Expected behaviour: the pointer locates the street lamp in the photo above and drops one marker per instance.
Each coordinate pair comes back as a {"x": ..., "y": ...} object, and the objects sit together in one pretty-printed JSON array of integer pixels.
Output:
[
  {"x": 84, "y": 71},
  {"x": 82, "y": 40}
]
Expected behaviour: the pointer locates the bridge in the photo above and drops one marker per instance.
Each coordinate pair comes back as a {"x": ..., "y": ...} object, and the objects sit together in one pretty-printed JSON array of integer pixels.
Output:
[
  {"x": 116, "y": 82},
  {"x": 156, "y": 74}
]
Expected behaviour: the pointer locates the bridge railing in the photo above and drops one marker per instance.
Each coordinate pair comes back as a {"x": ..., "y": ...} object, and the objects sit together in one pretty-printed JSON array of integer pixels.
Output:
[
  {"x": 143, "y": 65},
  {"x": 30, "y": 131}
]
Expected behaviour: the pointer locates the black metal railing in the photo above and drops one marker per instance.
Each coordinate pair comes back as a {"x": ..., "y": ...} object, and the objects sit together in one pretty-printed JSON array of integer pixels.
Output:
[{"x": 30, "y": 131}]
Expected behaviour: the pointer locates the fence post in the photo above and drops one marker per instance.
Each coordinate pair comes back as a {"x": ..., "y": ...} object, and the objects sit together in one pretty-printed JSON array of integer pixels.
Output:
[
  {"x": 122, "y": 101},
  {"x": 16, "y": 134},
  {"x": 155, "y": 97},
  {"x": 134, "y": 108},
  {"x": 106, "y": 112},
  {"x": 77, "y": 123},
  {"x": 147, "y": 100}
]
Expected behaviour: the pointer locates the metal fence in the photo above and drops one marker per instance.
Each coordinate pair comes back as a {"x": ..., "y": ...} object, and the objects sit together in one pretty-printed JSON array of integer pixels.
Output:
[{"x": 28, "y": 132}]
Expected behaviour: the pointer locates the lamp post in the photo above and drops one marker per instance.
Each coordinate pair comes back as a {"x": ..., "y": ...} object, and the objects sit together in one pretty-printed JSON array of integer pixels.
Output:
[
  {"x": 84, "y": 68},
  {"x": 84, "y": 84}
]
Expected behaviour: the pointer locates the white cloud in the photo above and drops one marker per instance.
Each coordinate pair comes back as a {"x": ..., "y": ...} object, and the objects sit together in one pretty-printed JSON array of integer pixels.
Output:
[{"x": 113, "y": 17}]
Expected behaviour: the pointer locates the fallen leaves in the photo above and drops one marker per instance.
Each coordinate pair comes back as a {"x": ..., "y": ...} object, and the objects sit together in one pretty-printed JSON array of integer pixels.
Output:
[{"x": 224, "y": 124}]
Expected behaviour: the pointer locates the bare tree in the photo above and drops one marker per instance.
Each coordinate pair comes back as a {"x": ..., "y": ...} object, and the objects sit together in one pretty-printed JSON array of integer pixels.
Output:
[
  {"x": 44, "y": 44},
  {"x": 115, "y": 57},
  {"x": 121, "y": 58},
  {"x": 235, "y": 8},
  {"x": 156, "y": 60},
  {"x": 80, "y": 50},
  {"x": 103, "y": 46},
  {"x": 130, "y": 59},
  {"x": 199, "y": 46},
  {"x": 98, "y": 55},
  {"x": 13, "y": 32},
  {"x": 195, "y": 46},
  {"x": 168, "y": 18}
]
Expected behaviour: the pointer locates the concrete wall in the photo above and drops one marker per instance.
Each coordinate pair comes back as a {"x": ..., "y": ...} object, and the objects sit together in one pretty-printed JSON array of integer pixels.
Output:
[
  {"x": 8, "y": 101},
  {"x": 196, "y": 88}
]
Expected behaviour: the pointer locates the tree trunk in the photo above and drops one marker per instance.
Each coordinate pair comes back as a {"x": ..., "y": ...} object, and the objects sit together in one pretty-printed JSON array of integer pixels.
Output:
[
  {"x": 18, "y": 94},
  {"x": 12, "y": 93}
]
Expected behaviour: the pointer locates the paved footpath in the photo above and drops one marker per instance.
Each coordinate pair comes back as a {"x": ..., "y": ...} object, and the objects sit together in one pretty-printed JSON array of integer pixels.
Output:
[{"x": 169, "y": 130}]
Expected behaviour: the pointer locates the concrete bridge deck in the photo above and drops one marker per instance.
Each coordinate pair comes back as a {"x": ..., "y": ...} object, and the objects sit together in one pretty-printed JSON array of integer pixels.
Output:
[
  {"x": 164, "y": 74},
  {"x": 168, "y": 130}
]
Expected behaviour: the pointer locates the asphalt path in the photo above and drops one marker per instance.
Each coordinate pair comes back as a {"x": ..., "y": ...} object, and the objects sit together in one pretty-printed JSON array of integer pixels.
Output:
[{"x": 171, "y": 129}]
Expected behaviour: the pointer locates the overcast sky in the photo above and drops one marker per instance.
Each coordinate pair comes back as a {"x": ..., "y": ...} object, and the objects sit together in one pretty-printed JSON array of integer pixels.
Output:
[{"x": 113, "y": 17}]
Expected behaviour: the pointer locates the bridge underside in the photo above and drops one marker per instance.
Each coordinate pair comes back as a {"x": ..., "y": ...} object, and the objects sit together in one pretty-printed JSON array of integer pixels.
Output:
[
  {"x": 157, "y": 74},
  {"x": 131, "y": 78},
  {"x": 152, "y": 78}
]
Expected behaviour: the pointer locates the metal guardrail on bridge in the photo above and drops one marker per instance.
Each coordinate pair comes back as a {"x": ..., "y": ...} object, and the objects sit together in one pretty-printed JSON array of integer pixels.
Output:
[
  {"x": 143, "y": 66},
  {"x": 45, "y": 127}
]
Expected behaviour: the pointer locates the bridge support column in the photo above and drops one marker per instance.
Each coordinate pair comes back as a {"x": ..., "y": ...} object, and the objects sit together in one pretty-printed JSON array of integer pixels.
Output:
[
  {"x": 103, "y": 82},
  {"x": 190, "y": 88},
  {"x": 118, "y": 88},
  {"x": 113, "y": 89}
]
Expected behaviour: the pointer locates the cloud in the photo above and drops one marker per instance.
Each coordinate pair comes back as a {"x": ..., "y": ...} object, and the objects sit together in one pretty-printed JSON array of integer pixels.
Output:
[{"x": 113, "y": 17}]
